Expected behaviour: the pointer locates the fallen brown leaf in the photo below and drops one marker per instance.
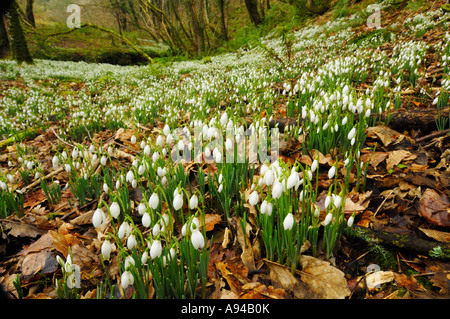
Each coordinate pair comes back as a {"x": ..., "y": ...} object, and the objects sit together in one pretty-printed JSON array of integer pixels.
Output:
[
  {"x": 325, "y": 280},
  {"x": 441, "y": 236},
  {"x": 435, "y": 208}
]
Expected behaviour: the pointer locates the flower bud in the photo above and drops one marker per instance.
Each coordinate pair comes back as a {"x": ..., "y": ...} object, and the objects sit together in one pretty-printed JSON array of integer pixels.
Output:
[
  {"x": 197, "y": 239},
  {"x": 156, "y": 249},
  {"x": 288, "y": 221},
  {"x": 114, "y": 210}
]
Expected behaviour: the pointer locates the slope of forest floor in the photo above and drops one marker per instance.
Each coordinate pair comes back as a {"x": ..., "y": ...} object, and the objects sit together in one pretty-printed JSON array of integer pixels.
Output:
[{"x": 398, "y": 246}]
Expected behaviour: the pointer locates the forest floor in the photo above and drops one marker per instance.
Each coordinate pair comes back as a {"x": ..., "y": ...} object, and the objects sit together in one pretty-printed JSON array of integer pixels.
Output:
[{"x": 399, "y": 246}]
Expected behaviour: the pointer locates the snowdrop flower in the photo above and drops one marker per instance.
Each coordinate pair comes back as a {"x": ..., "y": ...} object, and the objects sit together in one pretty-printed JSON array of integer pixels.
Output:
[
  {"x": 228, "y": 144},
  {"x": 133, "y": 139},
  {"x": 264, "y": 207},
  {"x": 144, "y": 257},
  {"x": 292, "y": 180},
  {"x": 147, "y": 150},
  {"x": 156, "y": 249},
  {"x": 177, "y": 202},
  {"x": 105, "y": 187},
  {"x": 253, "y": 198},
  {"x": 367, "y": 114},
  {"x": 224, "y": 119},
  {"x": 269, "y": 177},
  {"x": 68, "y": 168},
  {"x": 327, "y": 201},
  {"x": 166, "y": 130},
  {"x": 314, "y": 165},
  {"x": 129, "y": 176},
  {"x": 277, "y": 189},
  {"x": 73, "y": 280},
  {"x": 435, "y": 101},
  {"x": 331, "y": 172},
  {"x": 106, "y": 249},
  {"x": 328, "y": 219},
  {"x": 98, "y": 217},
  {"x": 156, "y": 230},
  {"x": 159, "y": 140},
  {"x": 337, "y": 200},
  {"x": 344, "y": 120},
  {"x": 192, "y": 224},
  {"x": 141, "y": 208},
  {"x": 153, "y": 201},
  {"x": 155, "y": 156},
  {"x": 146, "y": 220},
  {"x": 3, "y": 185},
  {"x": 197, "y": 239},
  {"x": 317, "y": 212},
  {"x": 127, "y": 279},
  {"x": 220, "y": 188},
  {"x": 288, "y": 222},
  {"x": 131, "y": 242},
  {"x": 55, "y": 161},
  {"x": 161, "y": 171},
  {"x": 352, "y": 133},
  {"x": 124, "y": 230},
  {"x": 75, "y": 153},
  {"x": 103, "y": 160},
  {"x": 350, "y": 221},
  {"x": 114, "y": 210},
  {"x": 141, "y": 169},
  {"x": 193, "y": 202},
  {"x": 169, "y": 139}
]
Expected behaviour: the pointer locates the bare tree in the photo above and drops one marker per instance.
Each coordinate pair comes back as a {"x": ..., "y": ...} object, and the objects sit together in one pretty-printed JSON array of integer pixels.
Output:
[
  {"x": 223, "y": 24},
  {"x": 18, "y": 42},
  {"x": 252, "y": 8},
  {"x": 4, "y": 41},
  {"x": 29, "y": 13}
]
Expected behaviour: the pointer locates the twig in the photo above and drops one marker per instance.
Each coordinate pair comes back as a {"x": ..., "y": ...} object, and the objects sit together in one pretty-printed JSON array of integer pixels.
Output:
[
  {"x": 59, "y": 138},
  {"x": 36, "y": 182},
  {"x": 432, "y": 135},
  {"x": 381, "y": 205}
]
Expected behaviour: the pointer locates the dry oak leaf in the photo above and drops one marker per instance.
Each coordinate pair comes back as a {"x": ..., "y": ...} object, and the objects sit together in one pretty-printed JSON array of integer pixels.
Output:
[
  {"x": 395, "y": 157},
  {"x": 282, "y": 278},
  {"x": 43, "y": 262},
  {"x": 441, "y": 236},
  {"x": 211, "y": 220},
  {"x": 385, "y": 134},
  {"x": 325, "y": 280},
  {"x": 435, "y": 208}
]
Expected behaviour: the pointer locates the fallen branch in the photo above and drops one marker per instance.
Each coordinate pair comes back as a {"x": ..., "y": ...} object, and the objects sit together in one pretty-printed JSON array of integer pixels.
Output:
[
  {"x": 38, "y": 180},
  {"x": 112, "y": 32},
  {"x": 411, "y": 244},
  {"x": 401, "y": 119}
]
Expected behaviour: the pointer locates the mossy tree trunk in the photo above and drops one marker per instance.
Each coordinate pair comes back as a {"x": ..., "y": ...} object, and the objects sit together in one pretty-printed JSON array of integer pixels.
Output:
[
  {"x": 4, "y": 41},
  {"x": 252, "y": 8},
  {"x": 18, "y": 43},
  {"x": 29, "y": 13}
]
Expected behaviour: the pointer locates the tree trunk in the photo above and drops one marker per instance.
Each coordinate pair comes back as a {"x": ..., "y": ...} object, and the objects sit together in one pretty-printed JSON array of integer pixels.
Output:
[
  {"x": 29, "y": 13},
  {"x": 223, "y": 24},
  {"x": 18, "y": 43},
  {"x": 4, "y": 41},
  {"x": 196, "y": 27},
  {"x": 252, "y": 8}
]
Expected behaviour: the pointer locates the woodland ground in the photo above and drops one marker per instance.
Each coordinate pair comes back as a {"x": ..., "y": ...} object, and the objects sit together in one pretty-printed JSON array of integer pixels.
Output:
[{"x": 401, "y": 226}]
